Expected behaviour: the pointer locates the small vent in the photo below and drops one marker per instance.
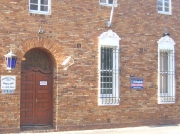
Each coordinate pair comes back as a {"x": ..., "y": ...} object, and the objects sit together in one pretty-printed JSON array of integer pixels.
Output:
[{"x": 78, "y": 45}]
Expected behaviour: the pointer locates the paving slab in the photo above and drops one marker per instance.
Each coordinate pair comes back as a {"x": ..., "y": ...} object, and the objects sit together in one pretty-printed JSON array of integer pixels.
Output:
[{"x": 165, "y": 129}]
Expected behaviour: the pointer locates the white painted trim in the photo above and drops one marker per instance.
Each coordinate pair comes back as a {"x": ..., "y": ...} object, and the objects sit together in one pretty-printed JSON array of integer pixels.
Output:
[
  {"x": 163, "y": 12},
  {"x": 106, "y": 4},
  {"x": 166, "y": 44},
  {"x": 41, "y": 12},
  {"x": 109, "y": 39},
  {"x": 167, "y": 13},
  {"x": 170, "y": 102},
  {"x": 169, "y": 43},
  {"x": 100, "y": 102}
]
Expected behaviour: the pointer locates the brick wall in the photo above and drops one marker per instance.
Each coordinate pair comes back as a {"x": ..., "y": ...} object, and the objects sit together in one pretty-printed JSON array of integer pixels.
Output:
[{"x": 75, "y": 90}]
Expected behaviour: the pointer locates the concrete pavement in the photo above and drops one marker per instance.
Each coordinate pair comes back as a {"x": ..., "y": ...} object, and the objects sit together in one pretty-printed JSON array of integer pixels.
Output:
[{"x": 168, "y": 129}]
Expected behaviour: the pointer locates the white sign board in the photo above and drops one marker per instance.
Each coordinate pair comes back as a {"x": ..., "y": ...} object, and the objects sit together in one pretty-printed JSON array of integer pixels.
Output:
[
  {"x": 8, "y": 82},
  {"x": 43, "y": 82}
]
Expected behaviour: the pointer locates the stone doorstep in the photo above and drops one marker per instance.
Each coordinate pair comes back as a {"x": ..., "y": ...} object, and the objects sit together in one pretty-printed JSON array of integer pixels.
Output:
[{"x": 37, "y": 129}]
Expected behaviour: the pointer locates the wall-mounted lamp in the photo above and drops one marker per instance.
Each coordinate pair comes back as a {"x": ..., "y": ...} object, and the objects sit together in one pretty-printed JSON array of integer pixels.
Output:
[
  {"x": 68, "y": 62},
  {"x": 166, "y": 34},
  {"x": 10, "y": 59}
]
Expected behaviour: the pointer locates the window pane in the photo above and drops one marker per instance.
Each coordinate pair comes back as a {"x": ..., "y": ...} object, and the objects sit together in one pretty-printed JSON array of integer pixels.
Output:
[
  {"x": 106, "y": 76},
  {"x": 106, "y": 82},
  {"x": 110, "y": 1},
  {"x": 106, "y": 58},
  {"x": 34, "y": 1},
  {"x": 166, "y": 0},
  {"x": 106, "y": 85},
  {"x": 44, "y": 8},
  {"x": 106, "y": 79},
  {"x": 164, "y": 72},
  {"x": 106, "y": 91},
  {"x": 164, "y": 83},
  {"x": 102, "y": 1},
  {"x": 160, "y": 9},
  {"x": 44, "y": 2},
  {"x": 163, "y": 61},
  {"x": 160, "y": 3},
  {"x": 166, "y": 4},
  {"x": 166, "y": 9},
  {"x": 106, "y": 70},
  {"x": 33, "y": 7}
]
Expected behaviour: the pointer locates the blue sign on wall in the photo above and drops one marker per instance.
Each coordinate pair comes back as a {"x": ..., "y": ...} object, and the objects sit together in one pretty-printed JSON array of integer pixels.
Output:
[{"x": 137, "y": 83}]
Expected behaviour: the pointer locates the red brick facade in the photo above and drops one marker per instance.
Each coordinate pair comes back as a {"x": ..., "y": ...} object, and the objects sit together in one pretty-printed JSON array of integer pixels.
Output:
[{"x": 75, "y": 91}]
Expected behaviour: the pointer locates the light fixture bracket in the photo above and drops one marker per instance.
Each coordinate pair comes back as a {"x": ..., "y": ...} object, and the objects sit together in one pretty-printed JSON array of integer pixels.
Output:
[{"x": 68, "y": 62}]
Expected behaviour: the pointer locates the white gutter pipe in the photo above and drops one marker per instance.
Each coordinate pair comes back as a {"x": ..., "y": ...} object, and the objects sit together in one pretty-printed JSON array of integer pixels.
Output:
[{"x": 111, "y": 15}]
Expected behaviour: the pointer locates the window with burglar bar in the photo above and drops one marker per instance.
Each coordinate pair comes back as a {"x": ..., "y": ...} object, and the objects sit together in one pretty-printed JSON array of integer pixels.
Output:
[
  {"x": 166, "y": 73},
  {"x": 164, "y": 6},
  {"x": 39, "y": 6},
  {"x": 108, "y": 69},
  {"x": 109, "y": 74}
]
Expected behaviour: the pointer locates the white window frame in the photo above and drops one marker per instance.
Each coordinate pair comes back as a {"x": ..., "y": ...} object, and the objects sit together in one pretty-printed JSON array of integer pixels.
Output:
[
  {"x": 163, "y": 7},
  {"x": 106, "y": 3},
  {"x": 109, "y": 39},
  {"x": 166, "y": 44},
  {"x": 39, "y": 11}
]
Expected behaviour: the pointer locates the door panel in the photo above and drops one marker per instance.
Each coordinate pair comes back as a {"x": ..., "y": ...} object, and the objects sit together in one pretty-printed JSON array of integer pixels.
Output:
[
  {"x": 27, "y": 99},
  {"x": 43, "y": 96},
  {"x": 36, "y": 99}
]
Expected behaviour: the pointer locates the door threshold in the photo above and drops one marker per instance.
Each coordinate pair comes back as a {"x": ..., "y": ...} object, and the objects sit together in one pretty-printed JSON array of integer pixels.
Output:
[{"x": 38, "y": 128}]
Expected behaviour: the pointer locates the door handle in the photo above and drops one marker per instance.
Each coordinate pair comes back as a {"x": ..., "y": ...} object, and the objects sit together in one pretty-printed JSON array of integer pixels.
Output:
[{"x": 37, "y": 100}]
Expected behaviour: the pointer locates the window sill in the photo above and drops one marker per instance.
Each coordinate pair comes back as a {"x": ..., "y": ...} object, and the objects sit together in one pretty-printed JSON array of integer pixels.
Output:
[
  {"x": 108, "y": 101},
  {"x": 42, "y": 13},
  {"x": 108, "y": 5},
  {"x": 166, "y": 100},
  {"x": 165, "y": 13}
]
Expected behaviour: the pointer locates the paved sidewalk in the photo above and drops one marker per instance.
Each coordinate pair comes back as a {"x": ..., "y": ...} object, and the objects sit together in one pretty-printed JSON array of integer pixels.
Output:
[{"x": 168, "y": 129}]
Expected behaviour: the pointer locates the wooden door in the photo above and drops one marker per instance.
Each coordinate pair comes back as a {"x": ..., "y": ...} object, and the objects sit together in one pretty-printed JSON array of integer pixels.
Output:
[
  {"x": 36, "y": 98},
  {"x": 43, "y": 99}
]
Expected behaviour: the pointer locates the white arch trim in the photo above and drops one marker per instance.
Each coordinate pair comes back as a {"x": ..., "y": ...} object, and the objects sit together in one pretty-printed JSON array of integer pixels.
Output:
[
  {"x": 166, "y": 42},
  {"x": 109, "y": 38}
]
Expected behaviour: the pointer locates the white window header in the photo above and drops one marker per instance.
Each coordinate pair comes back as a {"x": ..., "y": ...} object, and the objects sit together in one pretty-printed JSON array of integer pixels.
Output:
[
  {"x": 166, "y": 42},
  {"x": 109, "y": 38}
]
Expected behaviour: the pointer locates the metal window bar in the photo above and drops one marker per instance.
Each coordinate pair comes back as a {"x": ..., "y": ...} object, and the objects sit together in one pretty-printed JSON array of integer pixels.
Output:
[
  {"x": 167, "y": 76},
  {"x": 109, "y": 72}
]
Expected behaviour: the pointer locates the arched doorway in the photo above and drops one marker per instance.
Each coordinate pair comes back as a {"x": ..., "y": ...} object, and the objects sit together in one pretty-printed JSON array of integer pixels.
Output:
[{"x": 36, "y": 89}]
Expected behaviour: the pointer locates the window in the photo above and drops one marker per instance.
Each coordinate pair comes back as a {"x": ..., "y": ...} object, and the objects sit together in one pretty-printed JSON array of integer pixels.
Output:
[
  {"x": 108, "y": 69},
  {"x": 39, "y": 6},
  {"x": 108, "y": 2},
  {"x": 164, "y": 6},
  {"x": 166, "y": 70}
]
